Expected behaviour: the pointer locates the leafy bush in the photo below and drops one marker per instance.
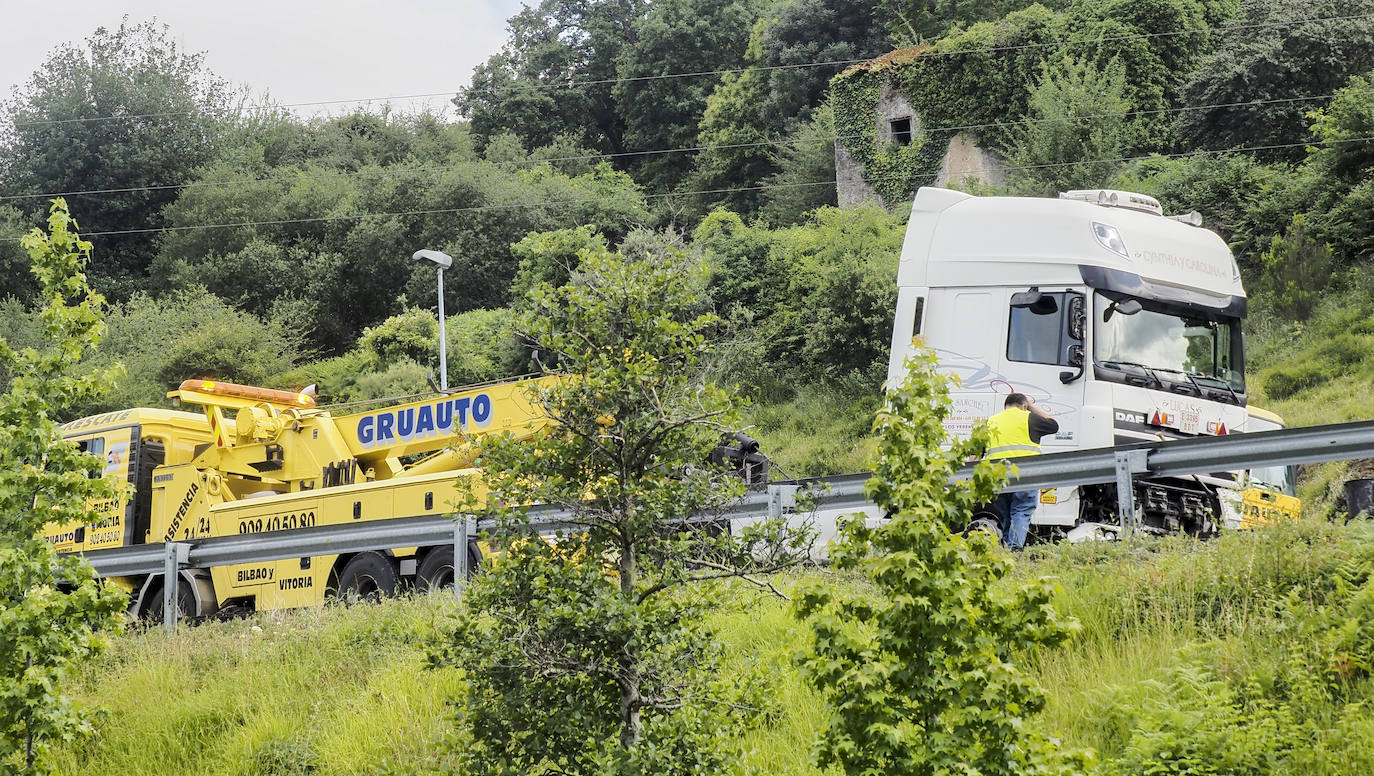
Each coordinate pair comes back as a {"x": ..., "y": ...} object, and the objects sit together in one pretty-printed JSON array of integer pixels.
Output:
[
  {"x": 921, "y": 667},
  {"x": 551, "y": 257},
  {"x": 1297, "y": 270},
  {"x": 482, "y": 346},
  {"x": 187, "y": 334},
  {"x": 412, "y": 335},
  {"x": 1284, "y": 383},
  {"x": 1077, "y": 127},
  {"x": 823, "y": 292}
]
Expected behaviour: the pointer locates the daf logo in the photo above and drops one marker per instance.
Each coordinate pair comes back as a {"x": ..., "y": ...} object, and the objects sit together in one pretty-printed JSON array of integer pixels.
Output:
[{"x": 1126, "y": 416}]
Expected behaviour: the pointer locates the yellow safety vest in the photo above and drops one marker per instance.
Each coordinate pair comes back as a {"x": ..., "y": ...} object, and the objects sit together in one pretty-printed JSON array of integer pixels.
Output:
[{"x": 1010, "y": 435}]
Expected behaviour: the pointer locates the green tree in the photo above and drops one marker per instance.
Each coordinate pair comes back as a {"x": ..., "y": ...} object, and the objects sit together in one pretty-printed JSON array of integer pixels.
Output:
[
  {"x": 819, "y": 296},
  {"x": 1339, "y": 185},
  {"x": 1342, "y": 130},
  {"x": 53, "y": 612},
  {"x": 554, "y": 75},
  {"x": 551, "y": 257},
  {"x": 590, "y": 656},
  {"x": 794, "y": 50},
  {"x": 1297, "y": 270},
  {"x": 15, "y": 281},
  {"x": 129, "y": 110},
  {"x": 313, "y": 241},
  {"x": 805, "y": 179},
  {"x": 1262, "y": 70},
  {"x": 1076, "y": 131},
  {"x": 919, "y": 667},
  {"x": 913, "y": 22},
  {"x": 676, "y": 36},
  {"x": 1155, "y": 41},
  {"x": 842, "y": 267},
  {"x": 734, "y": 134}
]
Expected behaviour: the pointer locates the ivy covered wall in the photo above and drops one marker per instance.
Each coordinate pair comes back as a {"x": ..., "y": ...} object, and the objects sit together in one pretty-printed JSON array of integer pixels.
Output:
[
  {"x": 977, "y": 82},
  {"x": 969, "y": 82}
]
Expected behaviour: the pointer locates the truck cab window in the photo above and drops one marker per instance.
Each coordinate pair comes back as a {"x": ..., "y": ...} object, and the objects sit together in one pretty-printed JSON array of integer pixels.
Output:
[
  {"x": 95, "y": 447},
  {"x": 1040, "y": 336}
]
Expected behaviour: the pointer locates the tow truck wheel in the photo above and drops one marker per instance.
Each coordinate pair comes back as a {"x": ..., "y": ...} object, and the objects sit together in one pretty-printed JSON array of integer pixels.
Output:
[
  {"x": 436, "y": 570},
  {"x": 152, "y": 603},
  {"x": 368, "y": 576}
]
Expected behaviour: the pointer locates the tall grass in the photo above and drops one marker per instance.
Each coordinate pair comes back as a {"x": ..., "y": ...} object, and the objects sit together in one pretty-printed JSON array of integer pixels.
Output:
[
  {"x": 346, "y": 691},
  {"x": 333, "y": 690},
  {"x": 820, "y": 430}
]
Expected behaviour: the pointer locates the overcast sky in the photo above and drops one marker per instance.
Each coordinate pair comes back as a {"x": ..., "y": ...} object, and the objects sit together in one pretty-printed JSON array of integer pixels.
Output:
[{"x": 298, "y": 50}]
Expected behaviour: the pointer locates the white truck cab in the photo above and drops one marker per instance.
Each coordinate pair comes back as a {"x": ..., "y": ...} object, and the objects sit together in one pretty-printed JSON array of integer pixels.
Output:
[{"x": 1122, "y": 323}]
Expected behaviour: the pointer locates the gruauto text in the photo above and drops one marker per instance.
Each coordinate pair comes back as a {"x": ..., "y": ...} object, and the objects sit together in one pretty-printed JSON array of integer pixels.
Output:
[{"x": 426, "y": 420}]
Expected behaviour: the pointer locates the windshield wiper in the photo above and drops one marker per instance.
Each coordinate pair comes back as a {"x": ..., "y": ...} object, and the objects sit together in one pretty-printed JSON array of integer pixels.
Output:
[
  {"x": 1224, "y": 385},
  {"x": 1149, "y": 371},
  {"x": 1196, "y": 385}
]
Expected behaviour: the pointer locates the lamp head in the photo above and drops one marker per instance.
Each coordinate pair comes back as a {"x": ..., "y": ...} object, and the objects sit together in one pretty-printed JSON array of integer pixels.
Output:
[{"x": 437, "y": 258}]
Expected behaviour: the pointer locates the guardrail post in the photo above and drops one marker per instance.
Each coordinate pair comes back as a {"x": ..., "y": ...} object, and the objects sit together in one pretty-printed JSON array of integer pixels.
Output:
[
  {"x": 1128, "y": 462},
  {"x": 174, "y": 556},
  {"x": 780, "y": 499},
  {"x": 460, "y": 555}
]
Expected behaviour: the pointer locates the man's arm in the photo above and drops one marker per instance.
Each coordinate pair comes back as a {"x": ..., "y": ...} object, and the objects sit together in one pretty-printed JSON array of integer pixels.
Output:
[{"x": 1040, "y": 422}]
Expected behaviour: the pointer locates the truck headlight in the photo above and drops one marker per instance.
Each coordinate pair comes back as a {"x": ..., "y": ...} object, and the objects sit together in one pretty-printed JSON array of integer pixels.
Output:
[{"x": 1110, "y": 238}]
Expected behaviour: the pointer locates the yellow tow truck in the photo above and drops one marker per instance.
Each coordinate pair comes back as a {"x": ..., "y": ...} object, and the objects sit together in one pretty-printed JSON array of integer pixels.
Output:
[
  {"x": 257, "y": 459},
  {"x": 1268, "y": 495}
]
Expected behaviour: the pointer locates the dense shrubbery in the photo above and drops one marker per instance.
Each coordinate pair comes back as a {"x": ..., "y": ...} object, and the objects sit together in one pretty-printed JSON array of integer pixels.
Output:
[{"x": 321, "y": 214}]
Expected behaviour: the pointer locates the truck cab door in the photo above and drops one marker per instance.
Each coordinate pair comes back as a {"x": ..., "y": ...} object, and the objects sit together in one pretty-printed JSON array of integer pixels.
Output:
[{"x": 1045, "y": 355}]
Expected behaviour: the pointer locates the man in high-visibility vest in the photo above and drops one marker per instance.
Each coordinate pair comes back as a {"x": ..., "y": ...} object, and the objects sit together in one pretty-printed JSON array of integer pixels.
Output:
[{"x": 1015, "y": 432}]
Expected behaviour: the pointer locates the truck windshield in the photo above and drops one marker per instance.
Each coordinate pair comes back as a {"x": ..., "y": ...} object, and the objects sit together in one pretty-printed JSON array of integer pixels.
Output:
[
  {"x": 1161, "y": 347},
  {"x": 1278, "y": 477}
]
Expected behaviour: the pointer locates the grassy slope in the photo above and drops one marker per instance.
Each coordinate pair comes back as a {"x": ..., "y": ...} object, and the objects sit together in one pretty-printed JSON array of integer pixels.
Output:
[
  {"x": 345, "y": 691},
  {"x": 819, "y": 431},
  {"x": 1317, "y": 371}
]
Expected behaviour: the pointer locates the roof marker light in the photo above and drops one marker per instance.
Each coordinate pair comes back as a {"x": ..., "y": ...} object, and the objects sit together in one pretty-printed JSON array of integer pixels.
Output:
[{"x": 1127, "y": 200}]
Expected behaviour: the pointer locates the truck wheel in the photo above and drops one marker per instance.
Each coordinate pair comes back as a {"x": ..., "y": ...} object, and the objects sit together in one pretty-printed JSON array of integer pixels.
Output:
[
  {"x": 368, "y": 576},
  {"x": 152, "y": 604},
  {"x": 436, "y": 570},
  {"x": 987, "y": 524}
]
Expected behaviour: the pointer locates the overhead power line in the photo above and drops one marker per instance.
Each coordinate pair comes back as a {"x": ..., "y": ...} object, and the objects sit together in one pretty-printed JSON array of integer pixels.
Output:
[
  {"x": 576, "y": 83},
  {"x": 727, "y": 190},
  {"x": 397, "y": 171}
]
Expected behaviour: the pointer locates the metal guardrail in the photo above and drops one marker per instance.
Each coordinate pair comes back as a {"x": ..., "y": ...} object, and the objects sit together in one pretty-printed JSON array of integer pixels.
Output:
[{"x": 1081, "y": 467}]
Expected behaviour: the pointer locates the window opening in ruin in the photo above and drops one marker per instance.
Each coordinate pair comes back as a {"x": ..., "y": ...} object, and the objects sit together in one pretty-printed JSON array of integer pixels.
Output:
[{"x": 900, "y": 130}]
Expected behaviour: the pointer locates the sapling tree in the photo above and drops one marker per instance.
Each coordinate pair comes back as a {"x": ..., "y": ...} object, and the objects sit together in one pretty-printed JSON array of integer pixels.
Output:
[
  {"x": 53, "y": 612},
  {"x": 590, "y": 653},
  {"x": 920, "y": 667}
]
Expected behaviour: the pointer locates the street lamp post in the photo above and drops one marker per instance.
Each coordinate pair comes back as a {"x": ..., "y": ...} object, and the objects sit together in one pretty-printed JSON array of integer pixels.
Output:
[{"x": 441, "y": 261}]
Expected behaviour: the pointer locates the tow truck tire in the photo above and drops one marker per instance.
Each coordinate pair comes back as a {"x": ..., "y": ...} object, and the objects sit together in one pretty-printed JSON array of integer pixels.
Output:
[
  {"x": 368, "y": 576},
  {"x": 436, "y": 570},
  {"x": 152, "y": 603}
]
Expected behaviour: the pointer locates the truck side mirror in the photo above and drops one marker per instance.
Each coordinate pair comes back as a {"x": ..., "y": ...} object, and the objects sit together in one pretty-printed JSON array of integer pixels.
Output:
[
  {"x": 1125, "y": 307},
  {"x": 1036, "y": 302},
  {"x": 1077, "y": 360}
]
